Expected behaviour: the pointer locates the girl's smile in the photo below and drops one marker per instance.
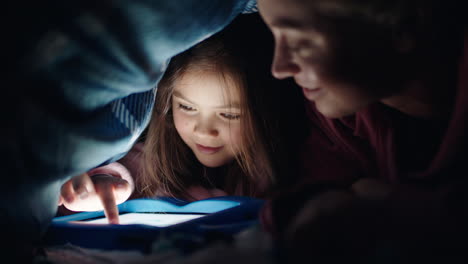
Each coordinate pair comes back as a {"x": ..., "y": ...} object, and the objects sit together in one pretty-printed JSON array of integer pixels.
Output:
[{"x": 208, "y": 150}]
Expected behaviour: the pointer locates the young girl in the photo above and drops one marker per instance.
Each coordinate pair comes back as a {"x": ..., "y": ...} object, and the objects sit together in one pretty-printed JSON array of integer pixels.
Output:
[{"x": 221, "y": 126}]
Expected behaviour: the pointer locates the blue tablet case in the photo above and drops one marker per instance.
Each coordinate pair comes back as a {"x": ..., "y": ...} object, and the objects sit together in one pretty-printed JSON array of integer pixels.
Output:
[{"x": 226, "y": 215}]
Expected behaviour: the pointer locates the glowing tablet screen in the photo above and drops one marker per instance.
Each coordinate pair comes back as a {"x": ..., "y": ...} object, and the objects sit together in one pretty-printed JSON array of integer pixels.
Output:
[{"x": 152, "y": 219}]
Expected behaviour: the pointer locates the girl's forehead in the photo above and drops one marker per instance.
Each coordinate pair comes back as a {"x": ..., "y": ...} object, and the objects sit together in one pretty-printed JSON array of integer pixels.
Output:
[{"x": 208, "y": 88}]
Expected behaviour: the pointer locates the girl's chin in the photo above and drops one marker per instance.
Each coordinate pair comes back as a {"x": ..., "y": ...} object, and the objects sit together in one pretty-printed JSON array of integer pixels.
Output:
[
  {"x": 211, "y": 163},
  {"x": 214, "y": 163}
]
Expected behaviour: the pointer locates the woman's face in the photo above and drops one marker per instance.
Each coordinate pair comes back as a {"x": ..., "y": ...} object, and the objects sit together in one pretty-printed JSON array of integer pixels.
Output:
[
  {"x": 306, "y": 55},
  {"x": 207, "y": 115}
]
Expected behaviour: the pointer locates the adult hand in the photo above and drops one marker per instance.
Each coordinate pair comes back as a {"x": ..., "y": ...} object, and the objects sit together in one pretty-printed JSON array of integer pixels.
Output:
[
  {"x": 99, "y": 192},
  {"x": 338, "y": 225},
  {"x": 371, "y": 189}
]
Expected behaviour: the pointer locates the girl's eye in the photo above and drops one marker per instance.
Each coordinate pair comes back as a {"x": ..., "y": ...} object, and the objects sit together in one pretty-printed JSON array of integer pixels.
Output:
[
  {"x": 186, "y": 107},
  {"x": 230, "y": 116}
]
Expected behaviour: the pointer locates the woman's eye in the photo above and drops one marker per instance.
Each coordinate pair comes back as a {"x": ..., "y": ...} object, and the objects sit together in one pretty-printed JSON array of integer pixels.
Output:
[
  {"x": 302, "y": 51},
  {"x": 304, "y": 48},
  {"x": 186, "y": 107},
  {"x": 230, "y": 116}
]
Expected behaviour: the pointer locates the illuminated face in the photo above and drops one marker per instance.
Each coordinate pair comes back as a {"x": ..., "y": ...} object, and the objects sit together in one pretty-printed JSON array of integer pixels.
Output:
[
  {"x": 305, "y": 55},
  {"x": 207, "y": 116}
]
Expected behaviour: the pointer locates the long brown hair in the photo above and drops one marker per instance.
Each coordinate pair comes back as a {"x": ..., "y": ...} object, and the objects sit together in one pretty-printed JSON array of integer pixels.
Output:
[{"x": 170, "y": 167}]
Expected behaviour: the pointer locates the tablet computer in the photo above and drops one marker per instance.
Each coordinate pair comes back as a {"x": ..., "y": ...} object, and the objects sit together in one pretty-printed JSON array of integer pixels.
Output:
[
  {"x": 159, "y": 219},
  {"x": 143, "y": 220}
]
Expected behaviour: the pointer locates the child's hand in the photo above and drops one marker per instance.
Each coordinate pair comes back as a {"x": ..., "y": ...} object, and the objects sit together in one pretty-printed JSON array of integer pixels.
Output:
[{"x": 101, "y": 191}]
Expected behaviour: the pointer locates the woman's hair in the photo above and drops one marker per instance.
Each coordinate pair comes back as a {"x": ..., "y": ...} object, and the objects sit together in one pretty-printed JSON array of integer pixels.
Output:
[
  {"x": 170, "y": 167},
  {"x": 371, "y": 40}
]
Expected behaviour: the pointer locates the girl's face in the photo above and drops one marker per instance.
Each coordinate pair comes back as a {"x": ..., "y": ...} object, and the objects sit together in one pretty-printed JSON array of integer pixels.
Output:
[{"x": 207, "y": 114}]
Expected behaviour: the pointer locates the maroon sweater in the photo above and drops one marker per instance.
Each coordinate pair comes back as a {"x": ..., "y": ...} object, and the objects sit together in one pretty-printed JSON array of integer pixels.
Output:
[{"x": 424, "y": 161}]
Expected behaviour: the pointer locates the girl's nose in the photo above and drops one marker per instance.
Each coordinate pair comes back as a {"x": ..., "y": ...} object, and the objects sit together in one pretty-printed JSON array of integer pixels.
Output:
[{"x": 206, "y": 127}]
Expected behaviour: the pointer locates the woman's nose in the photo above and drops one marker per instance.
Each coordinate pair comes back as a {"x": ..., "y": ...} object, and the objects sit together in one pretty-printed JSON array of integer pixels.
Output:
[{"x": 283, "y": 65}]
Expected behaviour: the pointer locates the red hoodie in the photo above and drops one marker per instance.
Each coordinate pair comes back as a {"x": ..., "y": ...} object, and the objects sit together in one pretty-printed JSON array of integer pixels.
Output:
[{"x": 424, "y": 161}]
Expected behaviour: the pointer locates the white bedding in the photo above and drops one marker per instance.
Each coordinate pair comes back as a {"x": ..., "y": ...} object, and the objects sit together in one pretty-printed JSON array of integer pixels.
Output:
[{"x": 250, "y": 246}]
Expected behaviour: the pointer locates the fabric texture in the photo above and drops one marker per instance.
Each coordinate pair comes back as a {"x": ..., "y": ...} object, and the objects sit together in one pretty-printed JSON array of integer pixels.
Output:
[{"x": 248, "y": 246}]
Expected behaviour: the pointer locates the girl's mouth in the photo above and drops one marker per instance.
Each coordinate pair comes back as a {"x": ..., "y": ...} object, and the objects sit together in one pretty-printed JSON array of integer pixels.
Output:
[{"x": 208, "y": 150}]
